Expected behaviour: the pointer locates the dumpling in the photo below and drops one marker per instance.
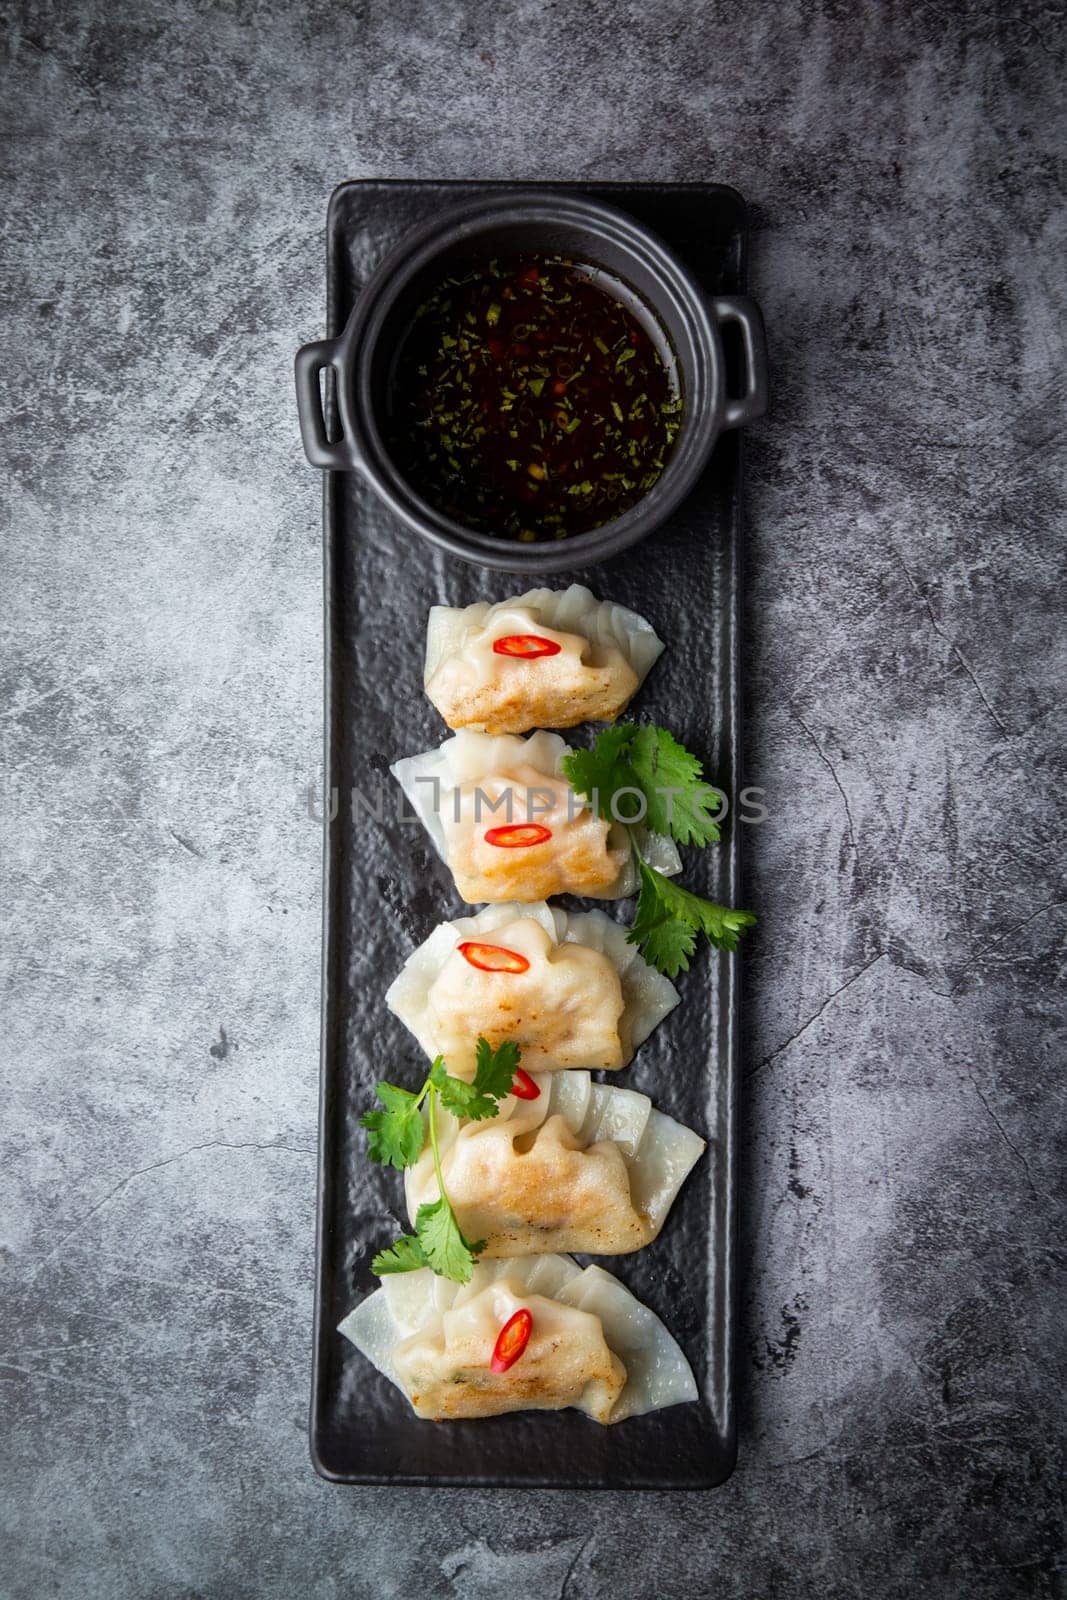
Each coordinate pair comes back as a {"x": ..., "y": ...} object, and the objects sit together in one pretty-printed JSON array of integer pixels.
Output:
[
  {"x": 510, "y": 827},
  {"x": 592, "y": 1344},
  {"x": 586, "y": 1166},
  {"x": 567, "y": 987},
  {"x": 547, "y": 659}
]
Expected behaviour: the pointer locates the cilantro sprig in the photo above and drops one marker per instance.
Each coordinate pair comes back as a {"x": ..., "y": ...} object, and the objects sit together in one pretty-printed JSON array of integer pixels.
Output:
[
  {"x": 669, "y": 918},
  {"x": 648, "y": 764},
  {"x": 649, "y": 760},
  {"x": 396, "y": 1135}
]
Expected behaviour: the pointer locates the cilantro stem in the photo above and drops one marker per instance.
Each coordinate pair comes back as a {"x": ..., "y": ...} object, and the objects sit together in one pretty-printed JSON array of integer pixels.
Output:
[
  {"x": 398, "y": 1139},
  {"x": 432, "y": 1109},
  {"x": 641, "y": 863}
]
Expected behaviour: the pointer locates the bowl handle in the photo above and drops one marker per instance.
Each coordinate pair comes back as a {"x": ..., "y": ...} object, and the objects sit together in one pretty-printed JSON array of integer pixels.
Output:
[
  {"x": 340, "y": 455},
  {"x": 746, "y": 313}
]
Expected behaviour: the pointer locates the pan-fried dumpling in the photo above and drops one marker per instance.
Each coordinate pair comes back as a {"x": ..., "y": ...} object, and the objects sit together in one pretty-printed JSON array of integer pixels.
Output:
[
  {"x": 547, "y": 659},
  {"x": 568, "y": 987},
  {"x": 592, "y": 1344},
  {"x": 586, "y": 1166},
  {"x": 510, "y": 827}
]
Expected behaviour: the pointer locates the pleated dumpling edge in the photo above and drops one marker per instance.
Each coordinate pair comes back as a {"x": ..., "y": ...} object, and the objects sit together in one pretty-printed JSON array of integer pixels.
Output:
[
  {"x": 509, "y": 826},
  {"x": 568, "y": 987},
  {"x": 550, "y": 658},
  {"x": 597, "y": 1348}
]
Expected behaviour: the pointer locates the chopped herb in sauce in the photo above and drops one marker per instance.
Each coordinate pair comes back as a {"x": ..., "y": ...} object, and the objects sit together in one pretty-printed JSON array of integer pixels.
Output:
[{"x": 529, "y": 403}]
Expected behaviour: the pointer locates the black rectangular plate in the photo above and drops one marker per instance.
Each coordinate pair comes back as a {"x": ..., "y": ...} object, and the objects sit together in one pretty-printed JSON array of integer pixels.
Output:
[{"x": 385, "y": 889}]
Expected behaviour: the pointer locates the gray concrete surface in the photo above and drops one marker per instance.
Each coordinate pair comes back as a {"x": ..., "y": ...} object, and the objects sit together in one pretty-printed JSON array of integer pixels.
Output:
[{"x": 165, "y": 174}]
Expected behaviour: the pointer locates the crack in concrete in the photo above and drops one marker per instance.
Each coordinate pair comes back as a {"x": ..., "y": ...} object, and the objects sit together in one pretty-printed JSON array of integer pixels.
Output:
[
  {"x": 901, "y": 964},
  {"x": 828, "y": 764},
  {"x": 953, "y": 646},
  {"x": 13, "y": 712},
  {"x": 186, "y": 844},
  {"x": 991, "y": 944},
  {"x": 812, "y": 1455},
  {"x": 123, "y": 1269},
  {"x": 1023, "y": 733},
  {"x": 995, "y": 1120},
  {"x": 793, "y": 1037},
  {"x": 155, "y": 1166},
  {"x": 568, "y": 1575},
  {"x": 52, "y": 1377},
  {"x": 69, "y": 68}
]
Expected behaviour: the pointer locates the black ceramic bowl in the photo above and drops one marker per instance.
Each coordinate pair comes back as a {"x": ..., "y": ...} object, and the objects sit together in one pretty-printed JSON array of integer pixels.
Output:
[{"x": 637, "y": 267}]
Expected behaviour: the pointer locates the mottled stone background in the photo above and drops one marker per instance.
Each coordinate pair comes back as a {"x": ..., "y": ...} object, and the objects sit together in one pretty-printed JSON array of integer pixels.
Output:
[{"x": 166, "y": 169}]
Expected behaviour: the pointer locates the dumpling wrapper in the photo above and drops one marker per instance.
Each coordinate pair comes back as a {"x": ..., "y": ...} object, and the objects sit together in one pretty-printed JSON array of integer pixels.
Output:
[
  {"x": 586, "y": 1167},
  {"x": 593, "y": 1345},
  {"x": 475, "y": 783},
  {"x": 587, "y": 999},
  {"x": 605, "y": 653}
]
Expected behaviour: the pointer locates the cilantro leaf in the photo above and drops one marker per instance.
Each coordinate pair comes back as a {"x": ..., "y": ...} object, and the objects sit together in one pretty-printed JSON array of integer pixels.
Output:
[
  {"x": 600, "y": 772},
  {"x": 457, "y": 1096},
  {"x": 455, "y": 1093},
  {"x": 441, "y": 1241},
  {"x": 672, "y": 781},
  {"x": 678, "y": 800},
  {"x": 396, "y": 1134},
  {"x": 669, "y": 918},
  {"x": 495, "y": 1069},
  {"x": 666, "y": 943},
  {"x": 404, "y": 1255},
  {"x": 494, "y": 1072},
  {"x": 462, "y": 1098},
  {"x": 723, "y": 925},
  {"x": 678, "y": 803}
]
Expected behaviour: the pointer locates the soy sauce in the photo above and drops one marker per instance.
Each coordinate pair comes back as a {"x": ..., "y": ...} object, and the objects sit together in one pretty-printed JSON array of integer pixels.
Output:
[{"x": 529, "y": 403}]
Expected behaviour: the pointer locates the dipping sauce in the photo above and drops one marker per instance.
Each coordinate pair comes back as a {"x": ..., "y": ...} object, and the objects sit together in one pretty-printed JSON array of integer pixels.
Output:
[{"x": 529, "y": 403}]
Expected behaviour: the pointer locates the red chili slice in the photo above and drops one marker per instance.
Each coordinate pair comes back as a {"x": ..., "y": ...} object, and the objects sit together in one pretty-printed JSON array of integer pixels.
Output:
[
  {"x": 518, "y": 836},
  {"x": 523, "y": 1086},
  {"x": 492, "y": 957},
  {"x": 512, "y": 1340},
  {"x": 527, "y": 645}
]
